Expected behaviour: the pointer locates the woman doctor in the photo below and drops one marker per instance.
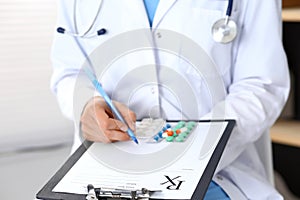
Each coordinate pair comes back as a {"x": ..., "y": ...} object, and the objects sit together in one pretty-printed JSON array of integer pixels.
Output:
[{"x": 251, "y": 66}]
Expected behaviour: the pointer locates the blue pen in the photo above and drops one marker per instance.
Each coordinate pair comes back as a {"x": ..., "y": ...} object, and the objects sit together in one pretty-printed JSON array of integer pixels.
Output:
[
  {"x": 108, "y": 101},
  {"x": 99, "y": 88}
]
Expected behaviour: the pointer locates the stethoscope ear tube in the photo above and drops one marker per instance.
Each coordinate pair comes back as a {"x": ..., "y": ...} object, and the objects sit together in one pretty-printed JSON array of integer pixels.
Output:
[
  {"x": 62, "y": 30},
  {"x": 102, "y": 31},
  {"x": 86, "y": 34}
]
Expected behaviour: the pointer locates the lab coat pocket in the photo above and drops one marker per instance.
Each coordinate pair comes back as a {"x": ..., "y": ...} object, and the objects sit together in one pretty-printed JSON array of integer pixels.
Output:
[
  {"x": 200, "y": 30},
  {"x": 201, "y": 92},
  {"x": 205, "y": 17},
  {"x": 199, "y": 25},
  {"x": 195, "y": 79}
]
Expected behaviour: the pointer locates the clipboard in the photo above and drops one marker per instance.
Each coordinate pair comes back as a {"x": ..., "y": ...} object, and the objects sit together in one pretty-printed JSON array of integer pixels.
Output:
[{"x": 47, "y": 192}]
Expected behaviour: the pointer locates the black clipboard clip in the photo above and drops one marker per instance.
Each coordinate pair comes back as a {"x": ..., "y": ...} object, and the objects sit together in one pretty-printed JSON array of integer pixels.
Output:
[{"x": 105, "y": 194}]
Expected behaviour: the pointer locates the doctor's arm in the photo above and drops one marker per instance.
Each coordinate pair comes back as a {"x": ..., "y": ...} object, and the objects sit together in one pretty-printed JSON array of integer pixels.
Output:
[
  {"x": 75, "y": 94},
  {"x": 260, "y": 78}
]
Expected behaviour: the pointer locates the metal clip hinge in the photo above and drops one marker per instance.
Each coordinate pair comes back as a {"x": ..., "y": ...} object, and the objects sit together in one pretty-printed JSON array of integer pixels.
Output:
[{"x": 98, "y": 193}]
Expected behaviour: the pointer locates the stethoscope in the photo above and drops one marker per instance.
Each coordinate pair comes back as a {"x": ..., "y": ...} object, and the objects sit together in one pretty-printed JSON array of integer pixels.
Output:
[
  {"x": 85, "y": 34},
  {"x": 223, "y": 30}
]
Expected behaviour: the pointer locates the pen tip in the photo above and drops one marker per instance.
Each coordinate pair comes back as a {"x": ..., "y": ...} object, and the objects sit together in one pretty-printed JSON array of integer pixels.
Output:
[{"x": 136, "y": 141}]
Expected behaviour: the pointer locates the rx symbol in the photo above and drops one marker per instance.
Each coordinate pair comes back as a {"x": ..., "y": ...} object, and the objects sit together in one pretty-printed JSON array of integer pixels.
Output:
[{"x": 174, "y": 185}]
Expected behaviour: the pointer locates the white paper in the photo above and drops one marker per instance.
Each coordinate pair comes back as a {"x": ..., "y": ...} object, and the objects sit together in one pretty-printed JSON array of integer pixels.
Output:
[{"x": 126, "y": 165}]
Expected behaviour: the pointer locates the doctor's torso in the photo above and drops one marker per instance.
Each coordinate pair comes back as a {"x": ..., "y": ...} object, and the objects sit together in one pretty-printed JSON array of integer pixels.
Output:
[
  {"x": 176, "y": 70},
  {"x": 171, "y": 66}
]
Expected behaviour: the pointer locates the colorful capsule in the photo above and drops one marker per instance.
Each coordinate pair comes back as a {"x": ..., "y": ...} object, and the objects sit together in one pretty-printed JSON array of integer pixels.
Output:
[
  {"x": 170, "y": 132},
  {"x": 168, "y": 126},
  {"x": 170, "y": 139},
  {"x": 184, "y": 134},
  {"x": 165, "y": 135},
  {"x": 179, "y": 139}
]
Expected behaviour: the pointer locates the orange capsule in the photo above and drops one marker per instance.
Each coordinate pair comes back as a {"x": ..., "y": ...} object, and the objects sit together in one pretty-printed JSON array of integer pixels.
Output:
[
  {"x": 178, "y": 131},
  {"x": 170, "y": 133}
]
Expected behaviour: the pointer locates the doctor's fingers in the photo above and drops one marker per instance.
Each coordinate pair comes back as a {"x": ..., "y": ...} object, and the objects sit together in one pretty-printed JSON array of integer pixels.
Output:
[
  {"x": 96, "y": 118},
  {"x": 97, "y": 109},
  {"x": 93, "y": 135},
  {"x": 100, "y": 108},
  {"x": 108, "y": 121},
  {"x": 92, "y": 132},
  {"x": 113, "y": 129},
  {"x": 90, "y": 129},
  {"x": 96, "y": 125}
]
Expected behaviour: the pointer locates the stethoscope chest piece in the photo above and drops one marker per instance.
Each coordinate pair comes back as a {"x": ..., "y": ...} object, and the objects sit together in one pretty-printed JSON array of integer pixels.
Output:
[{"x": 224, "y": 30}]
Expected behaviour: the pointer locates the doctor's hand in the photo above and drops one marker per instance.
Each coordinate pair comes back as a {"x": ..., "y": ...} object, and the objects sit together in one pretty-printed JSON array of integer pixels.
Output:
[{"x": 99, "y": 125}]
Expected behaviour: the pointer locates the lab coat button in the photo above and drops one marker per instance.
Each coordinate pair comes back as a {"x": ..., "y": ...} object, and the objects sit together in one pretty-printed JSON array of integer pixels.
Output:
[
  {"x": 158, "y": 34},
  {"x": 152, "y": 90},
  {"x": 219, "y": 177}
]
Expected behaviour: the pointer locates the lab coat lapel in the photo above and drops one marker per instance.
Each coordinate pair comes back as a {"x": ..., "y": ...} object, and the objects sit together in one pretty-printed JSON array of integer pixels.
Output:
[
  {"x": 163, "y": 7},
  {"x": 136, "y": 10}
]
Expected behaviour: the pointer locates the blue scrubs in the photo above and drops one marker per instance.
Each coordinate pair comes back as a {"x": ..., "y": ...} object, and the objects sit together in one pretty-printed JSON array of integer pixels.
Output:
[
  {"x": 151, "y": 6},
  {"x": 214, "y": 192}
]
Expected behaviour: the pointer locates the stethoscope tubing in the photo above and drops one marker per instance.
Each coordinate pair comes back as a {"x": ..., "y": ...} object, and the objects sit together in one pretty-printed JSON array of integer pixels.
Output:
[
  {"x": 229, "y": 8},
  {"x": 85, "y": 34},
  {"x": 225, "y": 22}
]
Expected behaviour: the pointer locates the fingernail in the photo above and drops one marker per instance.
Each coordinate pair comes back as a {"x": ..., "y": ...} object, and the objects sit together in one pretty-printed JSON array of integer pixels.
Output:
[
  {"x": 123, "y": 128},
  {"x": 132, "y": 125}
]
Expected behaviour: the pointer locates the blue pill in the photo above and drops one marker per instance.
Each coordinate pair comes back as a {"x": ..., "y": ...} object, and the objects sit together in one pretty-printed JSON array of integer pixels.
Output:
[
  {"x": 156, "y": 138},
  {"x": 160, "y": 133}
]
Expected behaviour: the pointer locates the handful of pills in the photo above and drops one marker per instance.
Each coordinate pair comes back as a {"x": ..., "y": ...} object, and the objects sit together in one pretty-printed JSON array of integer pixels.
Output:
[{"x": 178, "y": 132}]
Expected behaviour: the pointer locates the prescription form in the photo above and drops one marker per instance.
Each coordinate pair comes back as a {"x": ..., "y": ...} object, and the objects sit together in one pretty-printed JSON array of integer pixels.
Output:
[{"x": 125, "y": 165}]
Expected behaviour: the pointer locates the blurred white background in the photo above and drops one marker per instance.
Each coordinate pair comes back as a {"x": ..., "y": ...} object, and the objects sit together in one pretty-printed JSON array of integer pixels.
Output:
[{"x": 35, "y": 138}]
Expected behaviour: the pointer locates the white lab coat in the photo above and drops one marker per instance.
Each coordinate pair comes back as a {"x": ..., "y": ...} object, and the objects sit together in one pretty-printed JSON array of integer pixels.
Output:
[{"x": 252, "y": 69}]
